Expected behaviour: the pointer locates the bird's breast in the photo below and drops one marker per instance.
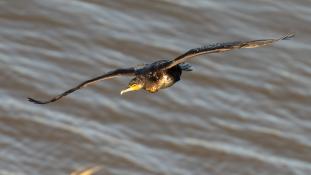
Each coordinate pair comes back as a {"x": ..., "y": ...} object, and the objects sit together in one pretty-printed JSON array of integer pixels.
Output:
[
  {"x": 166, "y": 81},
  {"x": 155, "y": 83}
]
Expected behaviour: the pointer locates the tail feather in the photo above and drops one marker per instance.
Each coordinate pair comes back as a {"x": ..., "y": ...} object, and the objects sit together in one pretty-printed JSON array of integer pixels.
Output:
[{"x": 185, "y": 66}]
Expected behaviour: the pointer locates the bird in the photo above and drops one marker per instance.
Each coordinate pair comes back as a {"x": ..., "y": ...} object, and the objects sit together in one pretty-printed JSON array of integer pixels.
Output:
[{"x": 162, "y": 74}]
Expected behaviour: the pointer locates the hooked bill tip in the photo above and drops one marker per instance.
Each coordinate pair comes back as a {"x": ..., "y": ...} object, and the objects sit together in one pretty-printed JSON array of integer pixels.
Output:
[{"x": 124, "y": 91}]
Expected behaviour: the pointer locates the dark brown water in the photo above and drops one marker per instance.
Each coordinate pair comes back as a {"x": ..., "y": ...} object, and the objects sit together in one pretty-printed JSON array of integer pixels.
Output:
[{"x": 241, "y": 112}]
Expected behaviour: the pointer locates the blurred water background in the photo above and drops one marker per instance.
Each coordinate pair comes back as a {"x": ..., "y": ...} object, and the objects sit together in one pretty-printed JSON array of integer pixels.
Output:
[{"x": 241, "y": 112}]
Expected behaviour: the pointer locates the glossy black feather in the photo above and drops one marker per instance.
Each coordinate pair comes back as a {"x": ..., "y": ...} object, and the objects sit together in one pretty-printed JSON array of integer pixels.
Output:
[
  {"x": 112, "y": 74},
  {"x": 221, "y": 47}
]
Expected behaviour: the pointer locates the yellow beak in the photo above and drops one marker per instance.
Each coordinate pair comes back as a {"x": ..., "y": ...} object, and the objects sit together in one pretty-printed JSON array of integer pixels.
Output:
[{"x": 132, "y": 88}]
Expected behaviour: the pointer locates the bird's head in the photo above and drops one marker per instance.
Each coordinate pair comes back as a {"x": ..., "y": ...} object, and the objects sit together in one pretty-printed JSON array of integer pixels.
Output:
[{"x": 134, "y": 85}]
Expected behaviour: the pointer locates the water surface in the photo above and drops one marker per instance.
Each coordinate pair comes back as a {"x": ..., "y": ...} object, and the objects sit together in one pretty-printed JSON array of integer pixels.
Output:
[{"x": 241, "y": 112}]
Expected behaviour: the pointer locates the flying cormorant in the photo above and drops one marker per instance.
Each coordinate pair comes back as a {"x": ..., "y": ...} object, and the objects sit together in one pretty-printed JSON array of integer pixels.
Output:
[{"x": 164, "y": 73}]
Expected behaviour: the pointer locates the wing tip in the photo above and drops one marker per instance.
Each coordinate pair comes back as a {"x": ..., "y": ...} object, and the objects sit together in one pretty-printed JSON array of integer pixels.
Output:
[
  {"x": 35, "y": 101},
  {"x": 288, "y": 36}
]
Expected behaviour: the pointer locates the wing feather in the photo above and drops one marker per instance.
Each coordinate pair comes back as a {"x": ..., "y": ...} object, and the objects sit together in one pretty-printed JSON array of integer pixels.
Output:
[
  {"x": 111, "y": 74},
  {"x": 222, "y": 47}
]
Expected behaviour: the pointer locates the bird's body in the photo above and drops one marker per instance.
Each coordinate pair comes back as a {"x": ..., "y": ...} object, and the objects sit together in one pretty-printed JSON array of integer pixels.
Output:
[
  {"x": 160, "y": 79},
  {"x": 164, "y": 73}
]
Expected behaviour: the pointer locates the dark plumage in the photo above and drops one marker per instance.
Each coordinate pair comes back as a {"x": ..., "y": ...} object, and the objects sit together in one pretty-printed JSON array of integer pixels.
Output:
[{"x": 164, "y": 73}]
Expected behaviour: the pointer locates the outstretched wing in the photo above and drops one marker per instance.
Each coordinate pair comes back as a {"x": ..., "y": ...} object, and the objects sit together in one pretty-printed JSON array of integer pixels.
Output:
[
  {"x": 111, "y": 74},
  {"x": 221, "y": 47}
]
